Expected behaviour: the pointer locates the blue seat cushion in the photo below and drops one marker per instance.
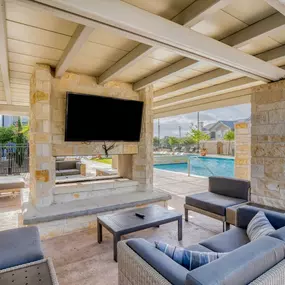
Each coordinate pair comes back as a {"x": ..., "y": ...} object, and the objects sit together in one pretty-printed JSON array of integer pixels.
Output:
[
  {"x": 164, "y": 265},
  {"x": 227, "y": 241},
  {"x": 19, "y": 246},
  {"x": 241, "y": 266},
  {"x": 198, "y": 247},
  {"x": 212, "y": 202}
]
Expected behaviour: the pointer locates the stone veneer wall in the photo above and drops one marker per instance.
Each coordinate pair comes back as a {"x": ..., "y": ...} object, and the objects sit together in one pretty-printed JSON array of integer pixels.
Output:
[
  {"x": 268, "y": 145},
  {"x": 242, "y": 150},
  {"x": 47, "y": 124}
]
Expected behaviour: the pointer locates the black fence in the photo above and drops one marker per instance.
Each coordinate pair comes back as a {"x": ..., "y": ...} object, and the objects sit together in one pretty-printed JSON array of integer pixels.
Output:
[{"x": 14, "y": 159}]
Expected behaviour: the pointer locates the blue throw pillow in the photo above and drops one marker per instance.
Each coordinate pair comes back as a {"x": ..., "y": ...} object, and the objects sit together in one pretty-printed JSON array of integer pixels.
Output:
[
  {"x": 187, "y": 258},
  {"x": 259, "y": 226}
]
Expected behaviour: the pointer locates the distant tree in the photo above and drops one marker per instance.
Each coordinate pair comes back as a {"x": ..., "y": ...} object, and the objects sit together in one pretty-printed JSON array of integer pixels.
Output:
[
  {"x": 186, "y": 141},
  {"x": 20, "y": 141},
  {"x": 26, "y": 131},
  {"x": 156, "y": 142},
  {"x": 173, "y": 141},
  {"x": 164, "y": 142},
  {"x": 7, "y": 134},
  {"x": 229, "y": 136},
  {"x": 197, "y": 136}
]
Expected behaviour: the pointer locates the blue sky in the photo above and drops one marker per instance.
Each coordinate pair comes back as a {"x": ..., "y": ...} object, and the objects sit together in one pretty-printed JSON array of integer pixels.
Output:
[{"x": 169, "y": 126}]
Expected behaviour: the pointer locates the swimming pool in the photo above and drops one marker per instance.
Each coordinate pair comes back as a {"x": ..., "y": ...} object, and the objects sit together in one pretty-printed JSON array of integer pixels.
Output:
[{"x": 202, "y": 165}]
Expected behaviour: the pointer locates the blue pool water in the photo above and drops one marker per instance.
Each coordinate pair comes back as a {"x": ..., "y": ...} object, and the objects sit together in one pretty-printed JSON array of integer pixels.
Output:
[{"x": 219, "y": 166}]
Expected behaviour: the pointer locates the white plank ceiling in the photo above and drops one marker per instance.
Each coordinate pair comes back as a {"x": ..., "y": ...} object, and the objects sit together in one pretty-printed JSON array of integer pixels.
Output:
[{"x": 35, "y": 36}]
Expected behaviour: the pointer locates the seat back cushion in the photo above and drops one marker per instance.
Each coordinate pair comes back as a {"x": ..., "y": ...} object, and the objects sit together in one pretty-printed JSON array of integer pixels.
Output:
[
  {"x": 188, "y": 258},
  {"x": 280, "y": 234},
  {"x": 240, "y": 266},
  {"x": 164, "y": 265},
  {"x": 246, "y": 213},
  {"x": 227, "y": 241},
  {"x": 236, "y": 188},
  {"x": 259, "y": 226}
]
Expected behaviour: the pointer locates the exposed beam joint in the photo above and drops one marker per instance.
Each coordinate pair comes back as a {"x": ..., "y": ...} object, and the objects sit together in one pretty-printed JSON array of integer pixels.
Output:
[
  {"x": 127, "y": 61},
  {"x": 243, "y": 82},
  {"x": 194, "y": 13},
  {"x": 236, "y": 40},
  {"x": 164, "y": 73},
  {"x": 199, "y": 11},
  {"x": 78, "y": 39},
  {"x": 4, "y": 53},
  {"x": 257, "y": 30}
]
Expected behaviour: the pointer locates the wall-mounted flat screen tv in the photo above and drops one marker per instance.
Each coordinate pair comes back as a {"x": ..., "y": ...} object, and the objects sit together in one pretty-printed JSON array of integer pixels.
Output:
[{"x": 98, "y": 118}]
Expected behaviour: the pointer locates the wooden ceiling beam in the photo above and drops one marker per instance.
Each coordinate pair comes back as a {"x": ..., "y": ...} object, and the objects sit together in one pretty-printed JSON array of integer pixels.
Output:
[
  {"x": 243, "y": 82},
  {"x": 236, "y": 40},
  {"x": 4, "y": 53},
  {"x": 78, "y": 39},
  {"x": 190, "y": 16},
  {"x": 150, "y": 29}
]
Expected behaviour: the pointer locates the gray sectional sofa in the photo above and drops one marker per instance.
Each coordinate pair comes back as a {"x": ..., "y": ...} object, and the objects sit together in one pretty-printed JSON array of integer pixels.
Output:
[
  {"x": 258, "y": 262},
  {"x": 66, "y": 168}
]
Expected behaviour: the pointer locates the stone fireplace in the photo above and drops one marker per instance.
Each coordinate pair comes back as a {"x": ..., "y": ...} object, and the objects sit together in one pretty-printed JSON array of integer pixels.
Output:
[
  {"x": 47, "y": 122},
  {"x": 50, "y": 205}
]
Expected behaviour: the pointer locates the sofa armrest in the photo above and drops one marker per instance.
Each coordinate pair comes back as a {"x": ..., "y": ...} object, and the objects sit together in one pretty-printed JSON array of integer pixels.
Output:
[
  {"x": 147, "y": 261},
  {"x": 246, "y": 213},
  {"x": 231, "y": 187},
  {"x": 241, "y": 266}
]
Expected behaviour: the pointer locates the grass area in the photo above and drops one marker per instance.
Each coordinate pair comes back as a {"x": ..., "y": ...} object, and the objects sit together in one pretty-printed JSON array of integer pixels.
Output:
[{"x": 104, "y": 160}]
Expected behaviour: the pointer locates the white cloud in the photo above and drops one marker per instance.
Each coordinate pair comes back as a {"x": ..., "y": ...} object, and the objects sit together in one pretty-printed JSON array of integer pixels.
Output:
[{"x": 170, "y": 126}]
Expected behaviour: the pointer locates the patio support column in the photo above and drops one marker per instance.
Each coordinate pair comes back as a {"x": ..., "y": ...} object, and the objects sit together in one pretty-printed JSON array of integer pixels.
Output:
[
  {"x": 143, "y": 161},
  {"x": 242, "y": 150},
  {"x": 42, "y": 164}
]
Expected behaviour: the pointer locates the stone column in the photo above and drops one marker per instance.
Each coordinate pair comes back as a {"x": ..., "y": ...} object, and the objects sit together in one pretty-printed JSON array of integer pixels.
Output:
[
  {"x": 42, "y": 164},
  {"x": 142, "y": 163},
  {"x": 268, "y": 145},
  {"x": 242, "y": 150}
]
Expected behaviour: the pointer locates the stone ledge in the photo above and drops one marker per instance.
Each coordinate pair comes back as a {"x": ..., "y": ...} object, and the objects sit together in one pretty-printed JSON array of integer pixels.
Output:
[{"x": 33, "y": 215}]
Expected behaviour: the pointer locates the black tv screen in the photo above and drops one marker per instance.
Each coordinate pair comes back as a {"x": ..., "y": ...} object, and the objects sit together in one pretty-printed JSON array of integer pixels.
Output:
[{"x": 98, "y": 118}]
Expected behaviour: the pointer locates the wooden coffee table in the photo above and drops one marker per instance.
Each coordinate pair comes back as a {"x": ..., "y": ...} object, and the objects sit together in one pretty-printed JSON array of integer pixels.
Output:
[{"x": 127, "y": 222}]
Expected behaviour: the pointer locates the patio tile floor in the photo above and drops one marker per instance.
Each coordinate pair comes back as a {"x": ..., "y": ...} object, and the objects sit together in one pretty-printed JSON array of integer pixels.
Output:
[{"x": 79, "y": 259}]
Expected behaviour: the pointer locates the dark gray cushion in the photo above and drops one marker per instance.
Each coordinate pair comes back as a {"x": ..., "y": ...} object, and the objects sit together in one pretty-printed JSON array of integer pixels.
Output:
[
  {"x": 198, "y": 247},
  {"x": 19, "y": 246},
  {"x": 57, "y": 173},
  {"x": 246, "y": 213},
  {"x": 168, "y": 268},
  {"x": 232, "y": 187},
  {"x": 240, "y": 266},
  {"x": 69, "y": 172},
  {"x": 212, "y": 202},
  {"x": 227, "y": 241},
  {"x": 280, "y": 234}
]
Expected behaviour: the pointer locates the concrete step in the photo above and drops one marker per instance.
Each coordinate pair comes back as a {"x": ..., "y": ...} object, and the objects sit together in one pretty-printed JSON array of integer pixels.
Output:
[
  {"x": 66, "y": 193},
  {"x": 116, "y": 201}
]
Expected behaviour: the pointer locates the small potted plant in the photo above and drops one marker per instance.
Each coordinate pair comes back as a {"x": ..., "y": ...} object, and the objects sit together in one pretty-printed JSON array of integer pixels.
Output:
[{"x": 203, "y": 151}]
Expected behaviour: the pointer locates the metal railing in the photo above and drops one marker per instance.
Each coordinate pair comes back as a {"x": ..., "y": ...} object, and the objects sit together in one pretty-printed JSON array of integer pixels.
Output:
[
  {"x": 201, "y": 161},
  {"x": 14, "y": 159}
]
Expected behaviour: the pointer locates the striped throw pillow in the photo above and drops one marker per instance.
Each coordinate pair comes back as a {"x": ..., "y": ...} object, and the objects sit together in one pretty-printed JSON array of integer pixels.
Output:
[
  {"x": 187, "y": 258},
  {"x": 259, "y": 226}
]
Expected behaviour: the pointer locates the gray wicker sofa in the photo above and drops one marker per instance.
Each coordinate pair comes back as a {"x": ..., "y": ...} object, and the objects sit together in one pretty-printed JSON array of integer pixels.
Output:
[{"x": 259, "y": 262}]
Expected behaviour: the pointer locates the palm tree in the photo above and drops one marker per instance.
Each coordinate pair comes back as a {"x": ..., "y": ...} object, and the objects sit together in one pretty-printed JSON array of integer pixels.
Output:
[{"x": 229, "y": 136}]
